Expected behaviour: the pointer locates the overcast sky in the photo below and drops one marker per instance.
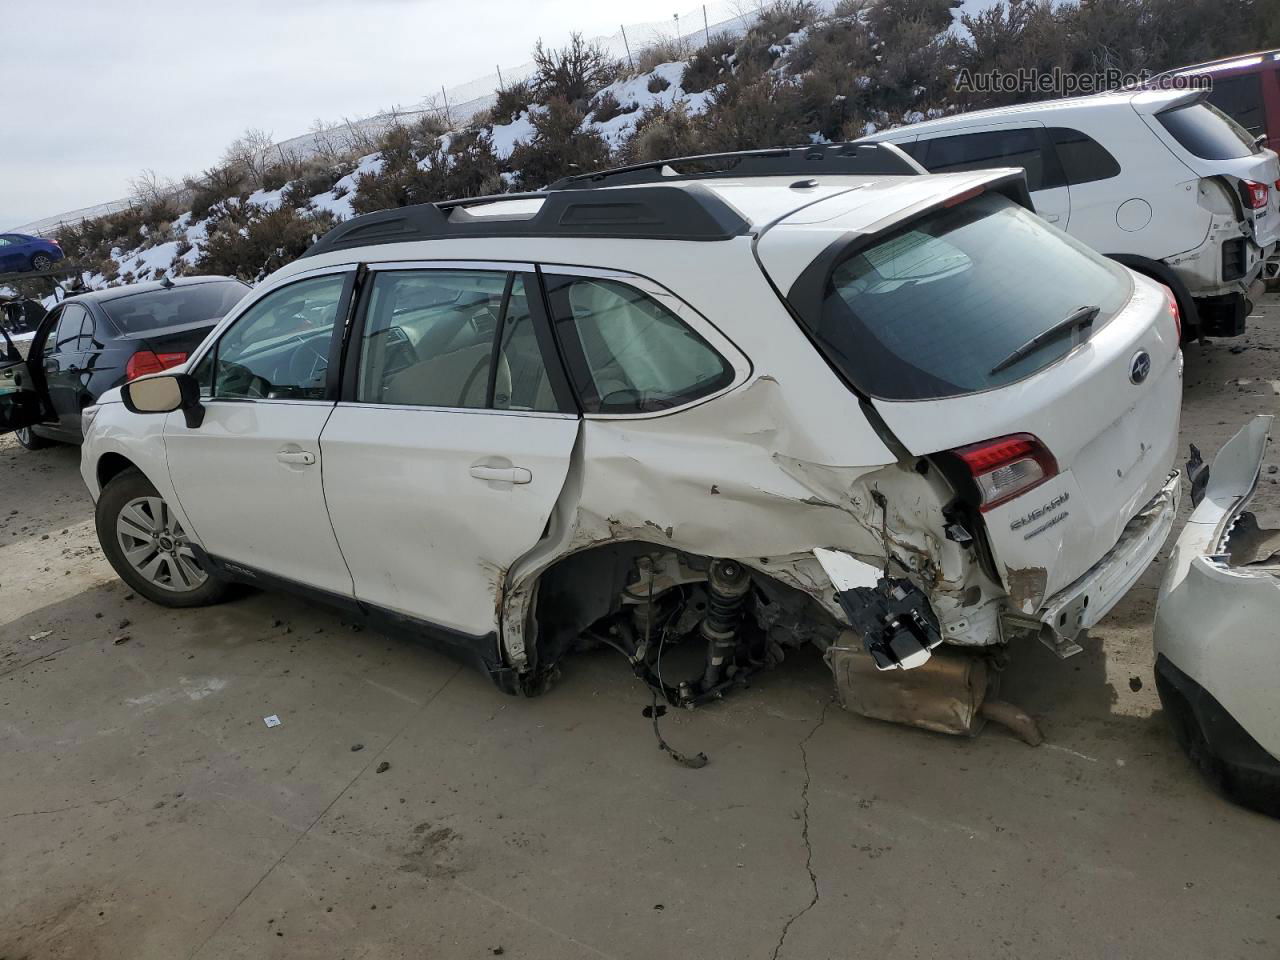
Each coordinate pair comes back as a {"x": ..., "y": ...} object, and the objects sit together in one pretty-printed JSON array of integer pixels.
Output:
[{"x": 96, "y": 91}]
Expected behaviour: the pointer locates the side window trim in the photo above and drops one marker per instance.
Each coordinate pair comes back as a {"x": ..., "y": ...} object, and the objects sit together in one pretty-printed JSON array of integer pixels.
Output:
[
  {"x": 335, "y": 340},
  {"x": 1051, "y": 174},
  {"x": 739, "y": 364},
  {"x": 516, "y": 272},
  {"x": 58, "y": 340}
]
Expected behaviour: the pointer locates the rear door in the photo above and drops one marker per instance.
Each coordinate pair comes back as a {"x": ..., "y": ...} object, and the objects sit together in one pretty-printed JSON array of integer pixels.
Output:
[
  {"x": 1021, "y": 143},
  {"x": 451, "y": 443},
  {"x": 63, "y": 360}
]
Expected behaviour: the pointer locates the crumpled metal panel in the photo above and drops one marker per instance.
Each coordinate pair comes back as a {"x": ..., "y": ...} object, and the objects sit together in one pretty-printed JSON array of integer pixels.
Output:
[{"x": 944, "y": 694}]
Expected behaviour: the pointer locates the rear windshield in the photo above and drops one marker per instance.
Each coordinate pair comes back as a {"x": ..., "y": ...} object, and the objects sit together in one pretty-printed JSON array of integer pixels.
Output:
[
  {"x": 937, "y": 308},
  {"x": 1208, "y": 133},
  {"x": 176, "y": 305}
]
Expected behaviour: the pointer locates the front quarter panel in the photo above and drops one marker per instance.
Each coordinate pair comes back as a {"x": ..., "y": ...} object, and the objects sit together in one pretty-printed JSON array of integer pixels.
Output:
[{"x": 139, "y": 438}]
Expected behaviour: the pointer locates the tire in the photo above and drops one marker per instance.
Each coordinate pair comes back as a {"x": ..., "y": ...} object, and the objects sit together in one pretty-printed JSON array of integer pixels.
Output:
[
  {"x": 28, "y": 438},
  {"x": 41, "y": 262},
  {"x": 131, "y": 516}
]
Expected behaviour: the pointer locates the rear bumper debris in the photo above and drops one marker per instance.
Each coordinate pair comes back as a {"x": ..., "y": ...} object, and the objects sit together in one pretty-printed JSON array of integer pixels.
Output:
[{"x": 1217, "y": 653}]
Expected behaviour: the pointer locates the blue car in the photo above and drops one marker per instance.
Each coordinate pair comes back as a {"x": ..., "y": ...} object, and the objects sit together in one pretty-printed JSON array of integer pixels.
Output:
[{"x": 20, "y": 253}]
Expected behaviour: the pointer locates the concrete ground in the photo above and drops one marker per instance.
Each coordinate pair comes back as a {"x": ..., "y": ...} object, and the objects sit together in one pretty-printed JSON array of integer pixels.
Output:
[{"x": 146, "y": 810}]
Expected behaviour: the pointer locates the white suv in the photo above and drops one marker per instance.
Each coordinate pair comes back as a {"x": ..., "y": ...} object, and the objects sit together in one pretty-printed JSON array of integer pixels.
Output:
[
  {"x": 811, "y": 398},
  {"x": 1159, "y": 180}
]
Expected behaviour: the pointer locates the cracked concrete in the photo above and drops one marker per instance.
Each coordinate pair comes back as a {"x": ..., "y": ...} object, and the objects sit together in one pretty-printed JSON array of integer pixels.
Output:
[
  {"x": 554, "y": 828},
  {"x": 804, "y": 832}
]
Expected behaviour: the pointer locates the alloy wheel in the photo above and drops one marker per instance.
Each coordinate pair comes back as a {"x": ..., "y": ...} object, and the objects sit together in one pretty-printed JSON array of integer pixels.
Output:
[
  {"x": 40, "y": 262},
  {"x": 154, "y": 543}
]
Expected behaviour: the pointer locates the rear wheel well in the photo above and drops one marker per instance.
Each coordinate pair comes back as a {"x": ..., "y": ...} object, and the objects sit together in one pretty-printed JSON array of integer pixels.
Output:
[
  {"x": 110, "y": 466},
  {"x": 585, "y": 593}
]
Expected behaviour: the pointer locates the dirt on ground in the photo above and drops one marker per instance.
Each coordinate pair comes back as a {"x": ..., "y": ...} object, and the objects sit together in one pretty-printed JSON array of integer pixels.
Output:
[{"x": 403, "y": 807}]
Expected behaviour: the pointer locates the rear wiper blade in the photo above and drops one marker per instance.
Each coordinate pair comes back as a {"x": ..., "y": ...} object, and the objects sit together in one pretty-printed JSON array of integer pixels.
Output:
[{"x": 1080, "y": 317}]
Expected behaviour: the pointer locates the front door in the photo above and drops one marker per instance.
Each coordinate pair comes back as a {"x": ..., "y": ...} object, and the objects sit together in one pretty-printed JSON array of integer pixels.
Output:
[
  {"x": 451, "y": 443},
  {"x": 22, "y": 401},
  {"x": 248, "y": 478}
]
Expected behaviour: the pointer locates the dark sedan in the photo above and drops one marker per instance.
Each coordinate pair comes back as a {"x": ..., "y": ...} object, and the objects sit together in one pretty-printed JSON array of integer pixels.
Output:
[
  {"x": 20, "y": 253},
  {"x": 95, "y": 341}
]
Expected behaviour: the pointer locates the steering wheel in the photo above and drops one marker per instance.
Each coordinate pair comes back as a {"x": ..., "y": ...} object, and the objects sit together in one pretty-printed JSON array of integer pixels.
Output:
[{"x": 306, "y": 368}]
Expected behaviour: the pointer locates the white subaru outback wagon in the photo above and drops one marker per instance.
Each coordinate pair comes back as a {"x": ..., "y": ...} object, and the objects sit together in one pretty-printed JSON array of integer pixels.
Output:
[
  {"x": 740, "y": 403},
  {"x": 1159, "y": 180}
]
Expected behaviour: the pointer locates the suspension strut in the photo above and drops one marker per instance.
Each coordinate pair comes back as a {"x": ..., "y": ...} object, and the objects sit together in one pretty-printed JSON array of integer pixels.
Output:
[{"x": 727, "y": 586}]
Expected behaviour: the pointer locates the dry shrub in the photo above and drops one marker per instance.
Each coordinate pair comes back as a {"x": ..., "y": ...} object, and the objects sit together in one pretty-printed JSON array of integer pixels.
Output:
[
  {"x": 709, "y": 65},
  {"x": 266, "y": 242},
  {"x": 574, "y": 73},
  {"x": 560, "y": 146}
]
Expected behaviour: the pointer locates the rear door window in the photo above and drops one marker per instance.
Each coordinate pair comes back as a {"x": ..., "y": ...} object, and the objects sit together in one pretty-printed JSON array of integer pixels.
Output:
[
  {"x": 70, "y": 324},
  {"x": 935, "y": 308},
  {"x": 1082, "y": 158},
  {"x": 1206, "y": 132},
  {"x": 993, "y": 148},
  {"x": 626, "y": 352},
  {"x": 453, "y": 339},
  {"x": 1240, "y": 98}
]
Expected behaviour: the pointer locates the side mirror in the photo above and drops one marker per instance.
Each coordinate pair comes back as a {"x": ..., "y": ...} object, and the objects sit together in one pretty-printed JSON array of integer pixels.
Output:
[{"x": 164, "y": 394}]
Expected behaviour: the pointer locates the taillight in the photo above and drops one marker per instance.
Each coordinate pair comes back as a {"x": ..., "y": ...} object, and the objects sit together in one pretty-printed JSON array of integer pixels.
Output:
[
  {"x": 147, "y": 361},
  {"x": 1173, "y": 309},
  {"x": 1254, "y": 194},
  {"x": 1007, "y": 467}
]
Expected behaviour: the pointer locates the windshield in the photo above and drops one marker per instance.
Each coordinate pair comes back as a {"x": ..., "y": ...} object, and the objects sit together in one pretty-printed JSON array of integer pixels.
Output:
[
  {"x": 190, "y": 303},
  {"x": 1208, "y": 133},
  {"x": 939, "y": 307}
]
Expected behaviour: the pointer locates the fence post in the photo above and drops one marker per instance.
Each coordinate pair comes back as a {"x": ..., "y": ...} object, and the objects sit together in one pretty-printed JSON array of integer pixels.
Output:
[
  {"x": 501, "y": 83},
  {"x": 628, "y": 48},
  {"x": 706, "y": 30}
]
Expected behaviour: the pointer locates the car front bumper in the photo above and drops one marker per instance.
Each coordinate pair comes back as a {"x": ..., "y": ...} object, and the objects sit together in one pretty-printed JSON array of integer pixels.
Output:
[{"x": 1216, "y": 644}]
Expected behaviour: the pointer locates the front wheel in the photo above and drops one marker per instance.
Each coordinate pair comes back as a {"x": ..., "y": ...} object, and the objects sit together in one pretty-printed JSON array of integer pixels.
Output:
[{"x": 148, "y": 548}]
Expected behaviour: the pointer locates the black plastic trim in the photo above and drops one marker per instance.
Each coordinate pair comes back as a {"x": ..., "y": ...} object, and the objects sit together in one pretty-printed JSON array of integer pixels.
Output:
[
  {"x": 1232, "y": 760},
  {"x": 650, "y": 213},
  {"x": 832, "y": 159},
  {"x": 482, "y": 652}
]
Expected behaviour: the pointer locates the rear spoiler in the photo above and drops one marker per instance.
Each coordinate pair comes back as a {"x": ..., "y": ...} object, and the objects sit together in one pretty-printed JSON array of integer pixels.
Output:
[
  {"x": 1156, "y": 105},
  {"x": 1010, "y": 181}
]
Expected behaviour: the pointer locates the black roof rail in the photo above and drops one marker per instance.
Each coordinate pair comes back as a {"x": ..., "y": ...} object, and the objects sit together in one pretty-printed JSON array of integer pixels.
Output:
[
  {"x": 848, "y": 159},
  {"x": 650, "y": 213}
]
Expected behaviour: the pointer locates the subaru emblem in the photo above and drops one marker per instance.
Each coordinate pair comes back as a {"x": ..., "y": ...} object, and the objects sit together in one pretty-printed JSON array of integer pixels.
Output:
[{"x": 1139, "y": 366}]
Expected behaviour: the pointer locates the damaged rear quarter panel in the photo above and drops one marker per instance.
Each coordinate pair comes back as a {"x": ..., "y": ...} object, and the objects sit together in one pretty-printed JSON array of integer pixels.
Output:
[{"x": 783, "y": 462}]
